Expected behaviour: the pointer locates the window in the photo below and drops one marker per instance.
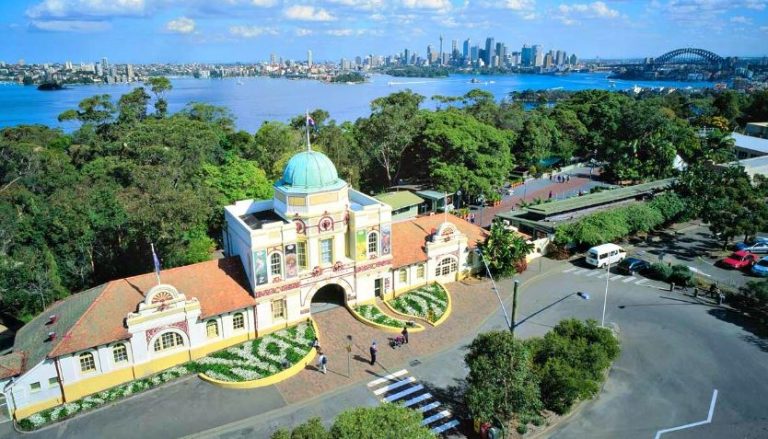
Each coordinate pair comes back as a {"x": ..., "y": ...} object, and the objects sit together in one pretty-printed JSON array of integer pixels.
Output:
[
  {"x": 420, "y": 272},
  {"x": 276, "y": 264},
  {"x": 87, "y": 364},
  {"x": 34, "y": 387},
  {"x": 446, "y": 267},
  {"x": 402, "y": 275},
  {"x": 167, "y": 341},
  {"x": 278, "y": 309},
  {"x": 373, "y": 243},
  {"x": 212, "y": 328},
  {"x": 326, "y": 251},
  {"x": 301, "y": 251},
  {"x": 53, "y": 382},
  {"x": 120, "y": 353},
  {"x": 238, "y": 321}
]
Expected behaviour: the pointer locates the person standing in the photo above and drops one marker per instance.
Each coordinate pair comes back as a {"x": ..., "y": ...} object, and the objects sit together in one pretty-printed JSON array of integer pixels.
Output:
[
  {"x": 373, "y": 350},
  {"x": 405, "y": 333},
  {"x": 322, "y": 363}
]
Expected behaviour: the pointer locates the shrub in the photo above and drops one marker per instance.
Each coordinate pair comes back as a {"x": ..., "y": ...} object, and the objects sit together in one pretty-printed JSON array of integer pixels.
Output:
[
  {"x": 281, "y": 433},
  {"x": 522, "y": 428},
  {"x": 660, "y": 271},
  {"x": 681, "y": 275},
  {"x": 383, "y": 421},
  {"x": 312, "y": 429}
]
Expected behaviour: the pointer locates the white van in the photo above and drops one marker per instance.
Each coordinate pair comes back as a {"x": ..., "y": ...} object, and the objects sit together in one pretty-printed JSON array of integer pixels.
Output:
[{"x": 602, "y": 255}]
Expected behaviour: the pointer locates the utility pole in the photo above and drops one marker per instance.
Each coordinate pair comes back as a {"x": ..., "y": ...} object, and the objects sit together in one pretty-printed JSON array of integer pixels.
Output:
[
  {"x": 605, "y": 297},
  {"x": 496, "y": 290},
  {"x": 514, "y": 308}
]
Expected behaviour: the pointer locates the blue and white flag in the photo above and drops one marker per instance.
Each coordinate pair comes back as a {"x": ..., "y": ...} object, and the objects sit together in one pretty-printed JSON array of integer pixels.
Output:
[{"x": 156, "y": 261}]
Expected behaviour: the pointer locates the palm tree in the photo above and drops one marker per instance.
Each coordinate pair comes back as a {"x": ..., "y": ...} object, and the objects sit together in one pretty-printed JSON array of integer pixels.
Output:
[{"x": 505, "y": 250}]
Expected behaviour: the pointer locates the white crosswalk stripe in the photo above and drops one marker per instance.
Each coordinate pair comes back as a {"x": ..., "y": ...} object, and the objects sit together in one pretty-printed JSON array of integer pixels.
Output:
[
  {"x": 601, "y": 274},
  {"x": 618, "y": 276},
  {"x": 402, "y": 388},
  {"x": 590, "y": 274},
  {"x": 582, "y": 271},
  {"x": 641, "y": 281},
  {"x": 568, "y": 270},
  {"x": 629, "y": 279}
]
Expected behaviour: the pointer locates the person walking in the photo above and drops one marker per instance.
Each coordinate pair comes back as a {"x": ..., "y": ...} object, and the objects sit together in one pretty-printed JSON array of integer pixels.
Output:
[
  {"x": 322, "y": 363},
  {"x": 550, "y": 195},
  {"x": 316, "y": 344},
  {"x": 373, "y": 350},
  {"x": 405, "y": 333}
]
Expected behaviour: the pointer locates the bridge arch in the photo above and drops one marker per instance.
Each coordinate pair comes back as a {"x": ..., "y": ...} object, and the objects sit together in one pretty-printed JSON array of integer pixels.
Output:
[{"x": 689, "y": 55}]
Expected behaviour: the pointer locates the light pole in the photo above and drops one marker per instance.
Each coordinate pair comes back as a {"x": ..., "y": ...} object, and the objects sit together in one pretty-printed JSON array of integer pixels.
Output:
[
  {"x": 605, "y": 297},
  {"x": 496, "y": 290}
]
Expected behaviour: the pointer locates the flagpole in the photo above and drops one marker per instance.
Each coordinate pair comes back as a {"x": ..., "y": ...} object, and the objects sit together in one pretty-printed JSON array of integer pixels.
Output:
[
  {"x": 306, "y": 125},
  {"x": 445, "y": 207},
  {"x": 156, "y": 263}
]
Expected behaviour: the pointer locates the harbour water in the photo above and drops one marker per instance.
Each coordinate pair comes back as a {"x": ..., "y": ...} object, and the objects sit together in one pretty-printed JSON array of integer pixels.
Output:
[{"x": 259, "y": 99}]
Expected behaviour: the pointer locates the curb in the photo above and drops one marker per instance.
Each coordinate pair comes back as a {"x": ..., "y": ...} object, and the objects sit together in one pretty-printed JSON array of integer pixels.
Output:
[
  {"x": 446, "y": 314},
  {"x": 266, "y": 381},
  {"x": 416, "y": 328}
]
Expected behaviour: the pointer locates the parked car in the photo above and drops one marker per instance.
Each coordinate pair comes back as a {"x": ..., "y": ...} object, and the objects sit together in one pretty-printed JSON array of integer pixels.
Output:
[
  {"x": 633, "y": 265},
  {"x": 739, "y": 259},
  {"x": 761, "y": 268},
  {"x": 759, "y": 245}
]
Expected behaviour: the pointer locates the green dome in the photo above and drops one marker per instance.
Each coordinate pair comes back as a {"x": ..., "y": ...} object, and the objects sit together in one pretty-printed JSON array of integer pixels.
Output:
[{"x": 310, "y": 170}]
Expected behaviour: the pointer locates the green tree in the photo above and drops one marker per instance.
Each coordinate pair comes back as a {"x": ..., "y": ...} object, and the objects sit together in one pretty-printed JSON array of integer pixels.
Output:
[
  {"x": 312, "y": 429},
  {"x": 159, "y": 85},
  {"x": 274, "y": 143},
  {"x": 501, "y": 382},
  {"x": 504, "y": 250},
  {"x": 385, "y": 421},
  {"x": 132, "y": 106},
  {"x": 394, "y": 123},
  {"x": 96, "y": 110}
]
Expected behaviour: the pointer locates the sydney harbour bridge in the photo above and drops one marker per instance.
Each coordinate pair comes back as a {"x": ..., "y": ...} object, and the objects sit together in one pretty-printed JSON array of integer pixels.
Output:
[{"x": 680, "y": 64}]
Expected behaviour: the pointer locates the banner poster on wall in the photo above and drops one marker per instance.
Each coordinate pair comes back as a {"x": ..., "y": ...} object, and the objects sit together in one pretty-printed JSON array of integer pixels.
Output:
[
  {"x": 291, "y": 263},
  {"x": 386, "y": 239},
  {"x": 260, "y": 266},
  {"x": 361, "y": 245}
]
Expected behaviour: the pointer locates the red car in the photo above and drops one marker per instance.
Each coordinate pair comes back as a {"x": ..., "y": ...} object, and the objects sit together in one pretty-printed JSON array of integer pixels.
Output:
[{"x": 739, "y": 259}]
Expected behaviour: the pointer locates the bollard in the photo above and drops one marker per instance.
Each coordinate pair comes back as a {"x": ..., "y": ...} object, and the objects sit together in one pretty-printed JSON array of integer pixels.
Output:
[
  {"x": 671, "y": 286},
  {"x": 695, "y": 291}
]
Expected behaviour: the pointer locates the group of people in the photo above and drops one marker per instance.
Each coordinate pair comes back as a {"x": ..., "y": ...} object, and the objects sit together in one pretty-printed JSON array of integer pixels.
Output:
[
  {"x": 560, "y": 178},
  {"x": 322, "y": 359}
]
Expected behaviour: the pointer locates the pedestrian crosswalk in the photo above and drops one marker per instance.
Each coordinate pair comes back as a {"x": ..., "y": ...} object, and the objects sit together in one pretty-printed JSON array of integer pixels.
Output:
[
  {"x": 597, "y": 273},
  {"x": 400, "y": 387}
]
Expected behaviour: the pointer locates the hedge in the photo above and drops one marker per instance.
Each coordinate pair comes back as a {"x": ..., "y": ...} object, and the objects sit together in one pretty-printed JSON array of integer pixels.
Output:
[{"x": 610, "y": 225}]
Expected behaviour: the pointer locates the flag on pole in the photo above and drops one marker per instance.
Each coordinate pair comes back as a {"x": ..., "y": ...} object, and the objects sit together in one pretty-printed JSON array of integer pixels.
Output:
[
  {"x": 311, "y": 122},
  {"x": 156, "y": 261}
]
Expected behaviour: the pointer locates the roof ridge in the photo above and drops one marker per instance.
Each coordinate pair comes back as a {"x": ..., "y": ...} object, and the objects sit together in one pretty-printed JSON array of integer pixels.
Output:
[
  {"x": 168, "y": 270},
  {"x": 87, "y": 310}
]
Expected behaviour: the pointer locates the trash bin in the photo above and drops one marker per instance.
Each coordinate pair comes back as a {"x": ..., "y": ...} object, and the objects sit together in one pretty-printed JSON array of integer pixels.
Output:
[{"x": 494, "y": 433}]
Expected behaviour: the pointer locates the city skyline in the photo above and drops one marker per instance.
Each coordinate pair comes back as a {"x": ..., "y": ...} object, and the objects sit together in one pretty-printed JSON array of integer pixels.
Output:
[{"x": 146, "y": 31}]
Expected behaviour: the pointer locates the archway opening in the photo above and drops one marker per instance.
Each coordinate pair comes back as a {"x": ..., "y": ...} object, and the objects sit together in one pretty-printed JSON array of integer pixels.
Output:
[{"x": 328, "y": 297}]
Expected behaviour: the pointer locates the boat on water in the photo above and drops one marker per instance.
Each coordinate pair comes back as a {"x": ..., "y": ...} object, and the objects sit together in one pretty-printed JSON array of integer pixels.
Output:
[{"x": 474, "y": 81}]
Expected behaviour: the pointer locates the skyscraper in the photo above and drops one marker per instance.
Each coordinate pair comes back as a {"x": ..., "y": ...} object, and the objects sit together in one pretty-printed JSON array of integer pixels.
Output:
[
  {"x": 489, "y": 50},
  {"x": 454, "y": 50},
  {"x": 104, "y": 65},
  {"x": 465, "y": 53},
  {"x": 538, "y": 55},
  {"x": 526, "y": 56},
  {"x": 441, "y": 48},
  {"x": 309, "y": 58}
]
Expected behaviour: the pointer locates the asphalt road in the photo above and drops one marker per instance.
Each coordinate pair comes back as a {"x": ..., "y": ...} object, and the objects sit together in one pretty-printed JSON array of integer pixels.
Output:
[{"x": 675, "y": 352}]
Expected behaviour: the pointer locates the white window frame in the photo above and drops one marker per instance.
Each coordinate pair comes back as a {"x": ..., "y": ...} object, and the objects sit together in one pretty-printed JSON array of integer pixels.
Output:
[
  {"x": 53, "y": 382},
  {"x": 83, "y": 359},
  {"x": 114, "y": 353},
  {"x": 301, "y": 254},
  {"x": 323, "y": 253},
  {"x": 212, "y": 323},
  {"x": 32, "y": 389},
  {"x": 235, "y": 326},
  {"x": 446, "y": 266},
  {"x": 284, "y": 305},
  {"x": 279, "y": 271},
  {"x": 421, "y": 271},
  {"x": 175, "y": 337},
  {"x": 374, "y": 243},
  {"x": 402, "y": 276}
]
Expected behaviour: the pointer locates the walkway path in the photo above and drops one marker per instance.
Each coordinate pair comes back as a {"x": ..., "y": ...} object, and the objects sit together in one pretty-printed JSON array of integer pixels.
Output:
[{"x": 472, "y": 303}]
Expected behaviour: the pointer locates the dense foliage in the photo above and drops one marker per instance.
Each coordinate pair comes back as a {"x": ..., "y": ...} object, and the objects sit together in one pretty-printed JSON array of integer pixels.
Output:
[
  {"x": 384, "y": 421},
  {"x": 609, "y": 225},
  {"x": 513, "y": 380},
  {"x": 81, "y": 208},
  {"x": 504, "y": 250}
]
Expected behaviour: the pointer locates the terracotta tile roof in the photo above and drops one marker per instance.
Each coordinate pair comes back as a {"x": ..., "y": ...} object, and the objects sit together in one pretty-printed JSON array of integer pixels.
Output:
[
  {"x": 11, "y": 365},
  {"x": 219, "y": 285},
  {"x": 409, "y": 237}
]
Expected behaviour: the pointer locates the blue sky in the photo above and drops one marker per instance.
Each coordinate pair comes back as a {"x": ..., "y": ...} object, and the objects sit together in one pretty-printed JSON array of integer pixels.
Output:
[{"x": 141, "y": 31}]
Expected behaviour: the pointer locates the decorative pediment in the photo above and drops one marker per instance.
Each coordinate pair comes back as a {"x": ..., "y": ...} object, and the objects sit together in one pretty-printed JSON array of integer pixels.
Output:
[{"x": 445, "y": 232}]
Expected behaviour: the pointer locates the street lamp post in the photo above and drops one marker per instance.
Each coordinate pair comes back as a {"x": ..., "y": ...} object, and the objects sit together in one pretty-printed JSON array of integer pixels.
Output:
[
  {"x": 605, "y": 297},
  {"x": 510, "y": 325}
]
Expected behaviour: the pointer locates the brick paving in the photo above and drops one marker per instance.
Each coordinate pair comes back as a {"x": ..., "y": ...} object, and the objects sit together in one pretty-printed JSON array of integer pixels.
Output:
[{"x": 473, "y": 302}]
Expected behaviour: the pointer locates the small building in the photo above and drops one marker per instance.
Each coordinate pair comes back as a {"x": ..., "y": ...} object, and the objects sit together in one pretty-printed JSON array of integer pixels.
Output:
[
  {"x": 435, "y": 201},
  {"x": 753, "y": 166},
  {"x": 748, "y": 147},
  {"x": 757, "y": 129},
  {"x": 405, "y": 204}
]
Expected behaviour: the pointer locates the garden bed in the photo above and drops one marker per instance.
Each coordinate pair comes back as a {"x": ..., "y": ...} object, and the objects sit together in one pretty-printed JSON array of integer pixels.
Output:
[
  {"x": 253, "y": 360},
  {"x": 373, "y": 314},
  {"x": 258, "y": 358},
  {"x": 429, "y": 302}
]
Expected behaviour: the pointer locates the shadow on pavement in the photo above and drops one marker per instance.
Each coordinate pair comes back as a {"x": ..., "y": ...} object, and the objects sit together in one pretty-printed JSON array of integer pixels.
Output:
[
  {"x": 529, "y": 316},
  {"x": 452, "y": 398},
  {"x": 758, "y": 331}
]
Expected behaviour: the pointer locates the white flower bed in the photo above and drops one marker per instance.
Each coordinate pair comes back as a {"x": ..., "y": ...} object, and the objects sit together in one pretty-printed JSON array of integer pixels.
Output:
[{"x": 421, "y": 301}]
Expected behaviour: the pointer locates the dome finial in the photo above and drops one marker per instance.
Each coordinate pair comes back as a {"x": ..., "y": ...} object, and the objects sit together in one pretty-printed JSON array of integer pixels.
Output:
[{"x": 309, "y": 123}]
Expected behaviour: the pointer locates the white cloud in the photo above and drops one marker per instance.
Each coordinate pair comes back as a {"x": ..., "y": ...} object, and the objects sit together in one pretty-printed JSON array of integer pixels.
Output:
[
  {"x": 182, "y": 25},
  {"x": 67, "y": 9},
  {"x": 519, "y": 5},
  {"x": 757, "y": 5},
  {"x": 308, "y": 13},
  {"x": 764, "y": 28},
  {"x": 595, "y": 9},
  {"x": 251, "y": 31},
  {"x": 302, "y": 32},
  {"x": 427, "y": 4},
  {"x": 740, "y": 19},
  {"x": 366, "y": 5},
  {"x": 263, "y": 3},
  {"x": 69, "y": 26},
  {"x": 340, "y": 32}
]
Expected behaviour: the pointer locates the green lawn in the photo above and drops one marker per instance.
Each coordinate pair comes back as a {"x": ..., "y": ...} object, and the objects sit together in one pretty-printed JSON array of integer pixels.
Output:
[{"x": 428, "y": 302}]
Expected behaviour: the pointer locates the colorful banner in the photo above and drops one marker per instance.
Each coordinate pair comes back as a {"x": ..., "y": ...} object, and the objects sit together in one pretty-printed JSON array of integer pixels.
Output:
[
  {"x": 386, "y": 239},
  {"x": 291, "y": 261},
  {"x": 260, "y": 267},
  {"x": 361, "y": 245}
]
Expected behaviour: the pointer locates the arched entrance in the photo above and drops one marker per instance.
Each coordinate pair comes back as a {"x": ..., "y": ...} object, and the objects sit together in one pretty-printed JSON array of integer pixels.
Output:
[{"x": 328, "y": 297}]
